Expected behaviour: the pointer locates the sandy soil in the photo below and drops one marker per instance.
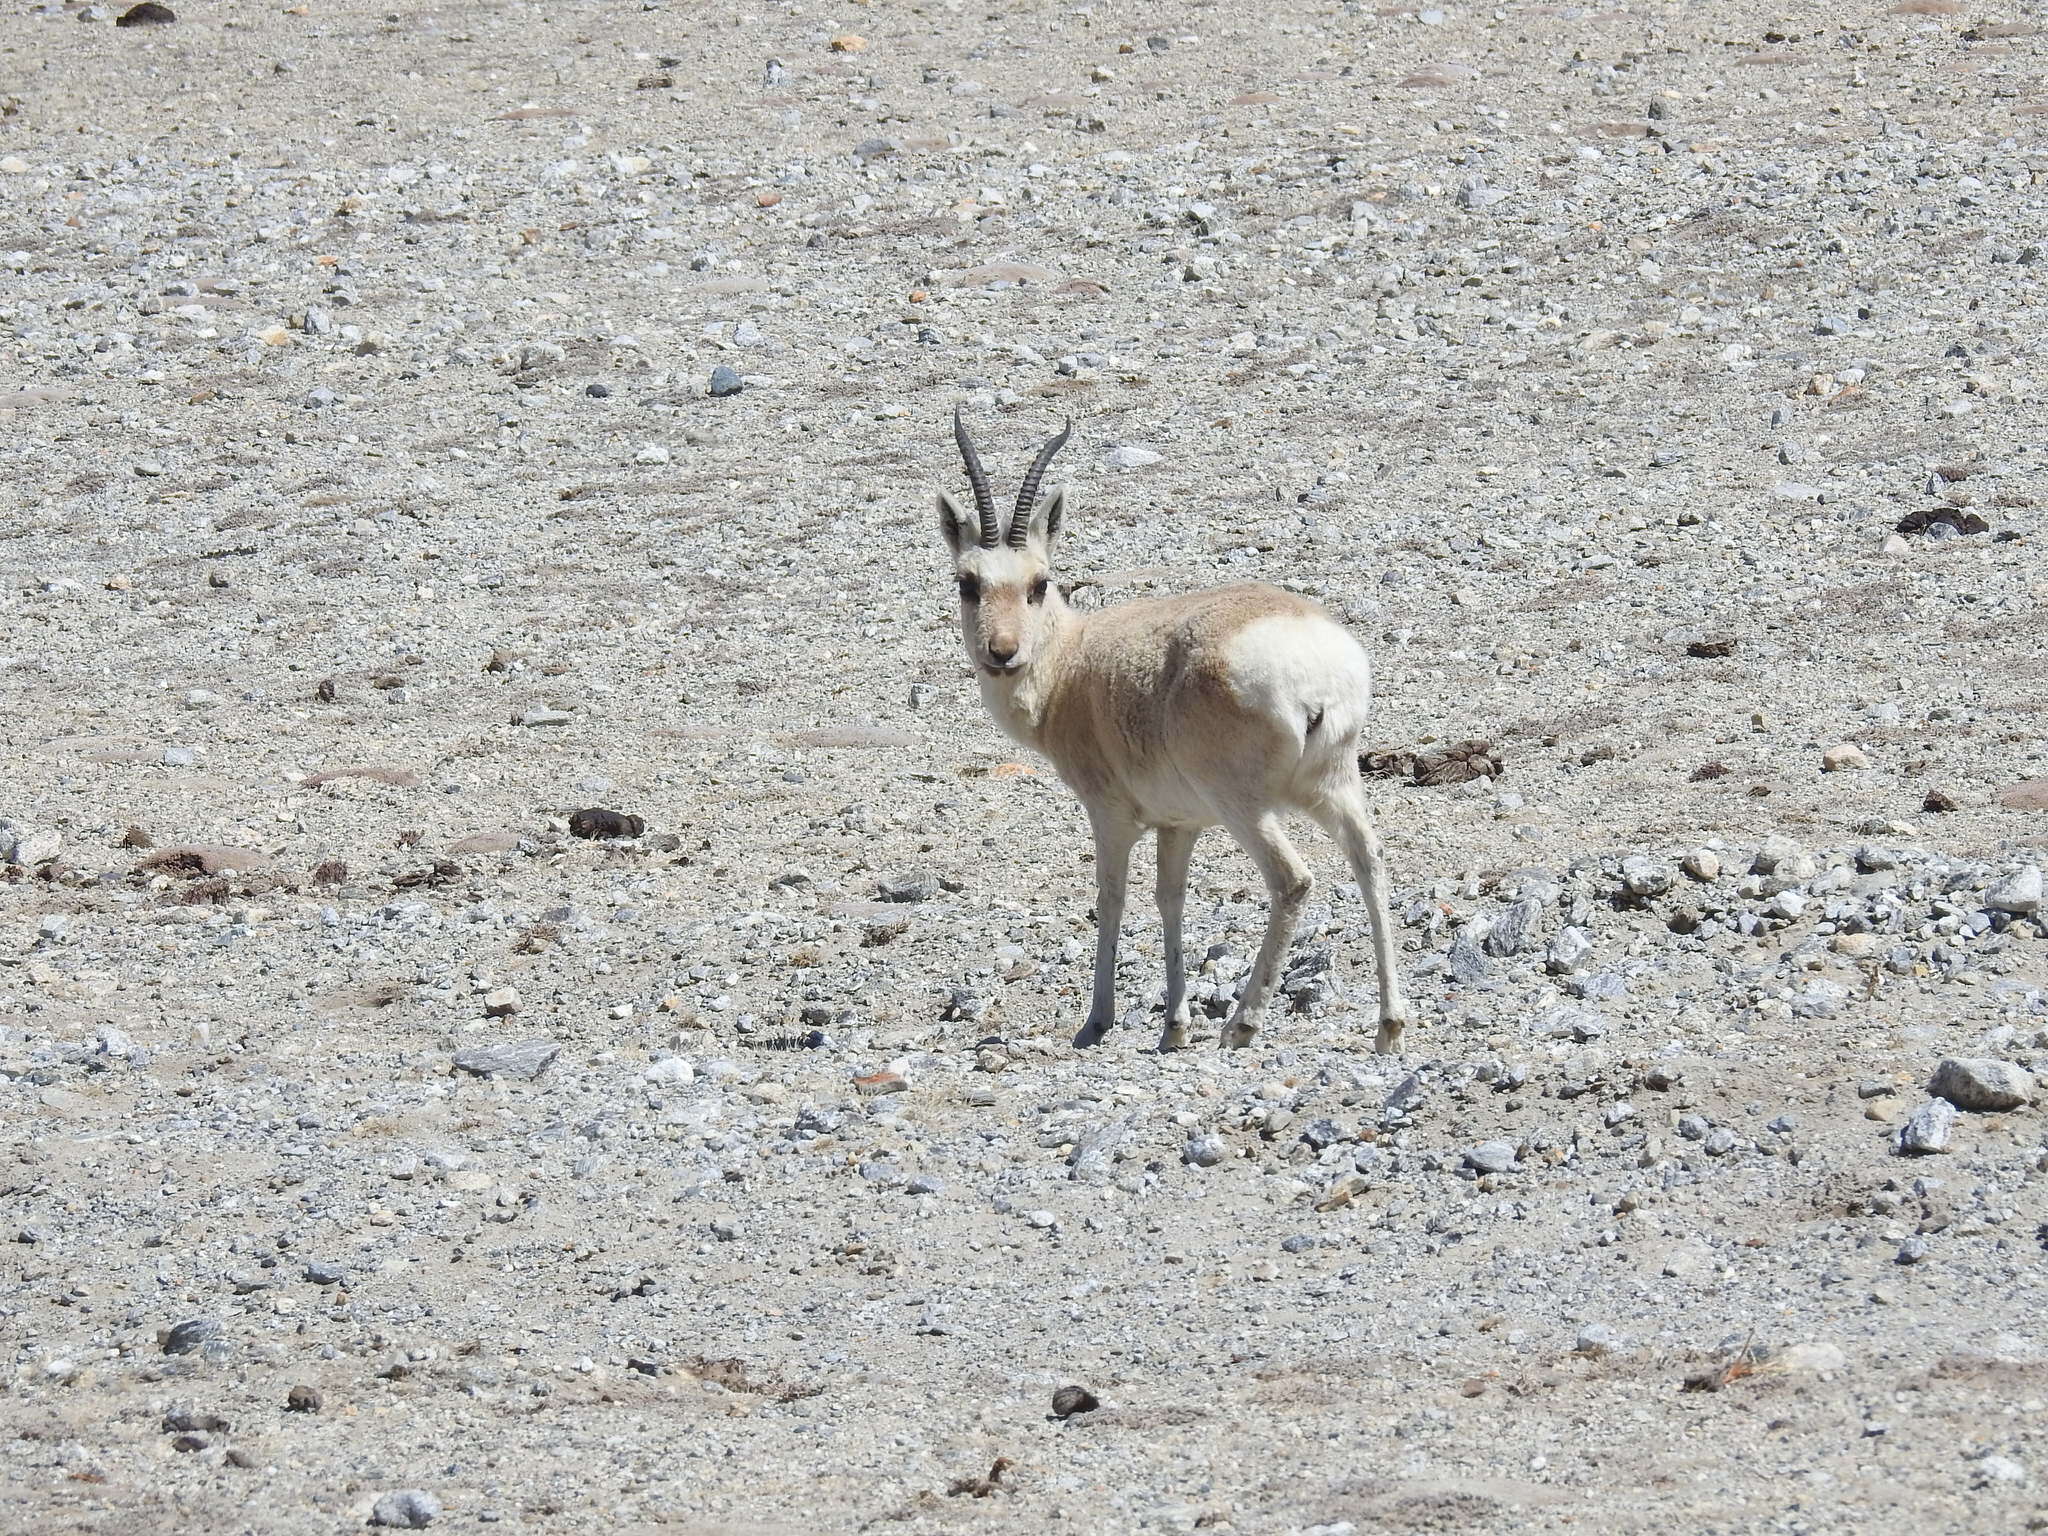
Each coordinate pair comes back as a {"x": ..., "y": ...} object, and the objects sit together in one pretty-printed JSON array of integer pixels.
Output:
[{"x": 1656, "y": 390}]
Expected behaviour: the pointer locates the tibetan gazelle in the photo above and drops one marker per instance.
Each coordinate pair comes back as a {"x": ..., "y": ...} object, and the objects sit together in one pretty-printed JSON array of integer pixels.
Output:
[{"x": 1228, "y": 707}]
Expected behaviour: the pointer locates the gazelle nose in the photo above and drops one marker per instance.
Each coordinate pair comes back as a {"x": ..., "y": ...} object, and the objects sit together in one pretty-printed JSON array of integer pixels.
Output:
[{"x": 1002, "y": 652}]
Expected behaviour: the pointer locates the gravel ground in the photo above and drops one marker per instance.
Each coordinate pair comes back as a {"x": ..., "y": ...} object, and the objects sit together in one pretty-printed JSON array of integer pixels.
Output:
[{"x": 425, "y": 425}]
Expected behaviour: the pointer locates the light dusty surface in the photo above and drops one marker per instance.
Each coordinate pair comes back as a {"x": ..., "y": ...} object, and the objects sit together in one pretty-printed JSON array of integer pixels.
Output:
[{"x": 1549, "y": 346}]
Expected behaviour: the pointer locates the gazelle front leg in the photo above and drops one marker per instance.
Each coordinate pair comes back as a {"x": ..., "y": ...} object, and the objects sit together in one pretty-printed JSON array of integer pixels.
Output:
[
  {"x": 1176, "y": 848},
  {"x": 1114, "y": 838},
  {"x": 1288, "y": 883}
]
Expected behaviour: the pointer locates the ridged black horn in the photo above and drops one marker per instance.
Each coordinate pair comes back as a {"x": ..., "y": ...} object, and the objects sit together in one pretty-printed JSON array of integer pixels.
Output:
[
  {"x": 977, "y": 477},
  {"x": 1027, "y": 498}
]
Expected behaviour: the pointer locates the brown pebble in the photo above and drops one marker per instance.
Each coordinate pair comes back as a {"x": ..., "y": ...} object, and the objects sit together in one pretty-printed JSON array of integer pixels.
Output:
[
  {"x": 1939, "y": 800},
  {"x": 598, "y": 822},
  {"x": 1923, "y": 518},
  {"x": 302, "y": 1399},
  {"x": 235, "y": 1456},
  {"x": 135, "y": 837},
  {"x": 1713, "y": 647},
  {"x": 1069, "y": 1401},
  {"x": 147, "y": 14}
]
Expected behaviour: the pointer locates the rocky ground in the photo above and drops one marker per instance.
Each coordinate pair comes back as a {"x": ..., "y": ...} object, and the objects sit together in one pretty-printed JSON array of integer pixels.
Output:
[{"x": 425, "y": 424}]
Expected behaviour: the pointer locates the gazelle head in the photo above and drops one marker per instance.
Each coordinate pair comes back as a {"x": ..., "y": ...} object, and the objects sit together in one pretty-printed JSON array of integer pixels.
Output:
[{"x": 1006, "y": 592}]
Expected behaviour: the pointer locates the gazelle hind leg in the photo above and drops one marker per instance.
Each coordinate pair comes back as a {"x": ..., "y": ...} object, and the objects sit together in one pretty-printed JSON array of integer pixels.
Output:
[
  {"x": 1288, "y": 884},
  {"x": 1176, "y": 848},
  {"x": 1346, "y": 819},
  {"x": 1114, "y": 839}
]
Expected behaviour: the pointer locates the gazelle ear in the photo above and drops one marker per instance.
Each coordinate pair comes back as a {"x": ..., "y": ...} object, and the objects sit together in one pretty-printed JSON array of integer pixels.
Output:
[
  {"x": 1046, "y": 517},
  {"x": 955, "y": 525}
]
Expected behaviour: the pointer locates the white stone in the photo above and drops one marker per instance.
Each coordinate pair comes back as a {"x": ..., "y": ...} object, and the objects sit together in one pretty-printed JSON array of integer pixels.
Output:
[{"x": 2019, "y": 892}]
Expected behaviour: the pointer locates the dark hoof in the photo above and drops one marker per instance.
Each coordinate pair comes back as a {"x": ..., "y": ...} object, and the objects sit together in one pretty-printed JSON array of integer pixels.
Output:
[{"x": 1091, "y": 1033}]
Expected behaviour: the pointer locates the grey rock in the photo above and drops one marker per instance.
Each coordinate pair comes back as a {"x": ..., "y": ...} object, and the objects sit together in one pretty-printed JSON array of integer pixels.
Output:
[
  {"x": 1928, "y": 1129},
  {"x": 191, "y": 1335},
  {"x": 1786, "y": 905},
  {"x": 1514, "y": 928},
  {"x": 1694, "y": 1127},
  {"x": 1981, "y": 1083},
  {"x": 725, "y": 380},
  {"x": 1311, "y": 979},
  {"x": 1090, "y": 1161},
  {"x": 1204, "y": 1151},
  {"x": 1466, "y": 962},
  {"x": 1323, "y": 1133},
  {"x": 1782, "y": 856},
  {"x": 1598, "y": 985},
  {"x": 1911, "y": 1251},
  {"x": 1719, "y": 1143},
  {"x": 523, "y": 1061},
  {"x": 1580, "y": 1024},
  {"x": 29, "y": 847},
  {"x": 2018, "y": 893},
  {"x": 325, "y": 1272},
  {"x": 1644, "y": 877},
  {"x": 1130, "y": 456},
  {"x": 1492, "y": 1157},
  {"x": 1405, "y": 1095},
  {"x": 538, "y": 716},
  {"x": 405, "y": 1509},
  {"x": 1597, "y": 1339},
  {"x": 964, "y": 1005},
  {"x": 1568, "y": 950},
  {"x": 914, "y": 885},
  {"x": 1476, "y": 196}
]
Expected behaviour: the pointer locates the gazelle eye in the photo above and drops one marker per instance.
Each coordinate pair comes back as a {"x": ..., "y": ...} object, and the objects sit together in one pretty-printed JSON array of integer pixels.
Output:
[
  {"x": 970, "y": 590},
  {"x": 1038, "y": 590}
]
